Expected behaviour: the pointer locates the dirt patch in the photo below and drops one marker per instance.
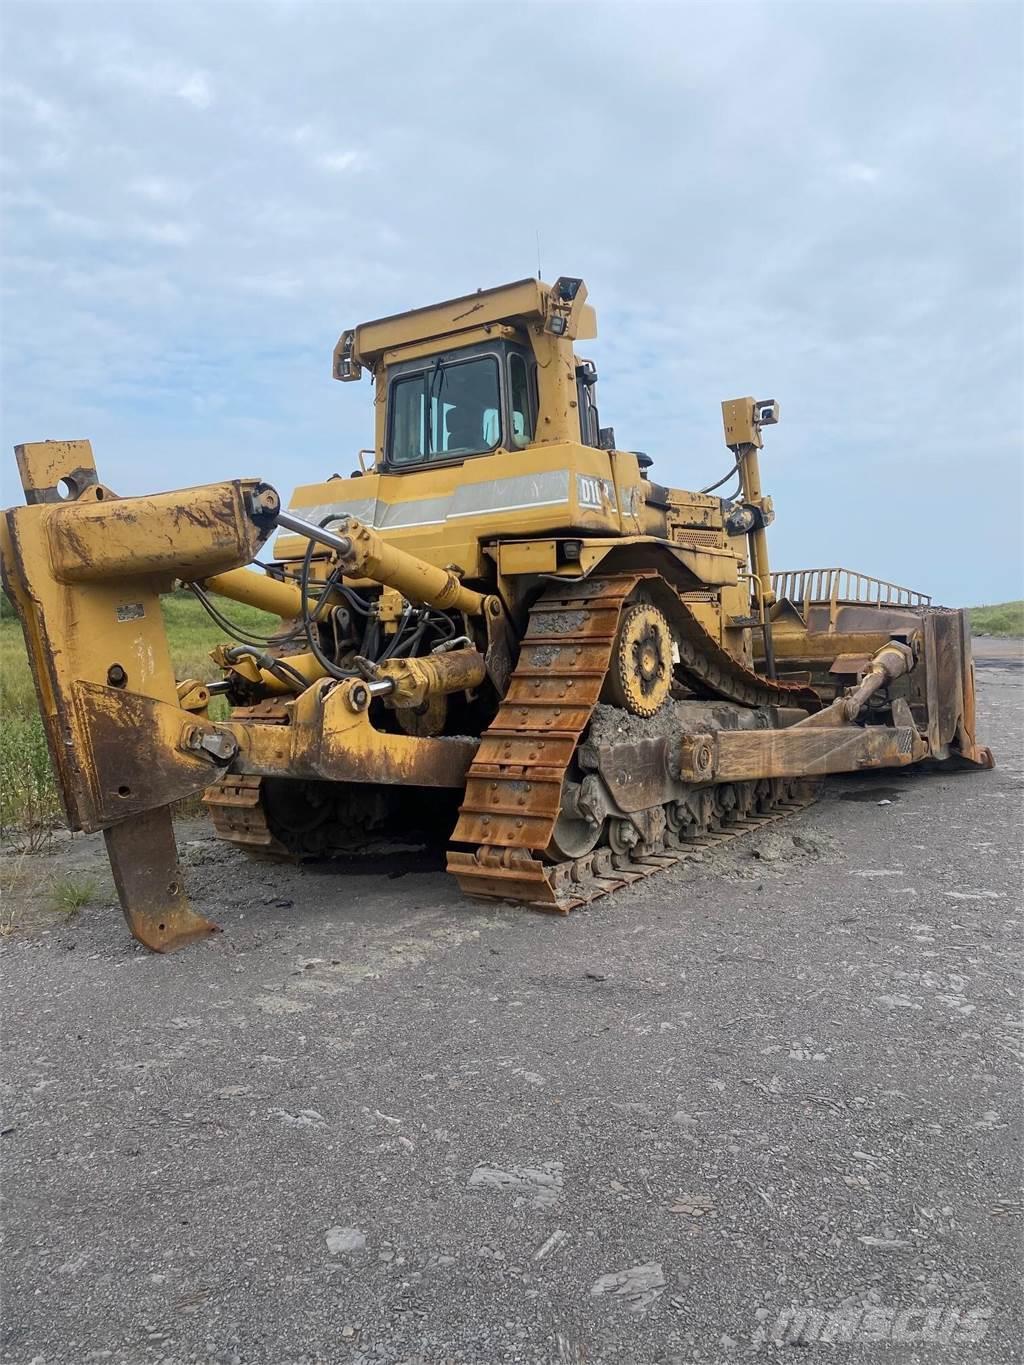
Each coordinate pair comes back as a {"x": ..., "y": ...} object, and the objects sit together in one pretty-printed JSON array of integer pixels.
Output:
[
  {"x": 610, "y": 725},
  {"x": 558, "y": 622}
]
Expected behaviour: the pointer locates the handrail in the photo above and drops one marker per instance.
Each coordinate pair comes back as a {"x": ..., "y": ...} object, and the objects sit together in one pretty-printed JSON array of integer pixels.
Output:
[{"x": 835, "y": 586}]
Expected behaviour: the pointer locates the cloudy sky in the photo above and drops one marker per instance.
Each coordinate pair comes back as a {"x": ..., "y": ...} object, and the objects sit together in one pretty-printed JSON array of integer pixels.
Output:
[{"x": 819, "y": 203}]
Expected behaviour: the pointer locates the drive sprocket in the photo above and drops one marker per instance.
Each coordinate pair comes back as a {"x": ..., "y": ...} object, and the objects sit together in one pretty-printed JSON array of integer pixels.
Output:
[{"x": 641, "y": 665}]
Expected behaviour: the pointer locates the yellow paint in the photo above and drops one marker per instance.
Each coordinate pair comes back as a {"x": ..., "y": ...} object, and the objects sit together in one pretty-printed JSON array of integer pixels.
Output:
[
  {"x": 86, "y": 577},
  {"x": 86, "y": 573},
  {"x": 257, "y": 589},
  {"x": 528, "y": 556}
]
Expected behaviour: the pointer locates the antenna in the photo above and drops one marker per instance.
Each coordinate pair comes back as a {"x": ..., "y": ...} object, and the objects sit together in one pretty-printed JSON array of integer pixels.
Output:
[{"x": 538, "y": 255}]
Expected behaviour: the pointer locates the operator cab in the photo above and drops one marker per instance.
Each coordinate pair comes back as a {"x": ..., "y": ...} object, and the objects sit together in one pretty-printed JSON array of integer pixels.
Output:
[
  {"x": 481, "y": 374},
  {"x": 459, "y": 403}
]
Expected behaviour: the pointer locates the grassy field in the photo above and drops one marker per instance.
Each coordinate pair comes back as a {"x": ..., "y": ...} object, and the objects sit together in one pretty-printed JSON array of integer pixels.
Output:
[
  {"x": 1005, "y": 619},
  {"x": 28, "y": 796}
]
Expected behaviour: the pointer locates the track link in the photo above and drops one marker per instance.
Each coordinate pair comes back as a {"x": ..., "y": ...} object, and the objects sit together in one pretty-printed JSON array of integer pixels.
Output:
[
  {"x": 236, "y": 807},
  {"x": 514, "y": 875},
  {"x": 235, "y": 801},
  {"x": 514, "y": 786}
]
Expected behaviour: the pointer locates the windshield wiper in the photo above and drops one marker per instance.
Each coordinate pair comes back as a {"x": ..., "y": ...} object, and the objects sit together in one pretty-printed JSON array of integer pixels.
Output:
[{"x": 437, "y": 380}]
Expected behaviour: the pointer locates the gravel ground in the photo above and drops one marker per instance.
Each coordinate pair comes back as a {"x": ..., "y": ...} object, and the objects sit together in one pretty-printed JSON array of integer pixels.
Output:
[{"x": 373, "y": 1122}]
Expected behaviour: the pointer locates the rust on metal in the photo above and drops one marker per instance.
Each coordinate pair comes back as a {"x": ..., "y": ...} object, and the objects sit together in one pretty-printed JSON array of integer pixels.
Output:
[
  {"x": 144, "y": 860},
  {"x": 136, "y": 758},
  {"x": 635, "y": 773},
  {"x": 45, "y": 465},
  {"x": 236, "y": 808},
  {"x": 514, "y": 787},
  {"x": 696, "y": 758},
  {"x": 514, "y": 875},
  {"x": 329, "y": 737},
  {"x": 514, "y": 790},
  {"x": 850, "y": 664},
  {"x": 415, "y": 681},
  {"x": 799, "y": 752}
]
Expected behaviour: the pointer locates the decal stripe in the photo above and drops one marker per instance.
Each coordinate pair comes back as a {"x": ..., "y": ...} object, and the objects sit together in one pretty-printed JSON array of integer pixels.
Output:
[{"x": 518, "y": 493}]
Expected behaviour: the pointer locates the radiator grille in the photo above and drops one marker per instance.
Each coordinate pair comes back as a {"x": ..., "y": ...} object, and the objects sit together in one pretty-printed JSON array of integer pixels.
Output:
[{"x": 695, "y": 539}]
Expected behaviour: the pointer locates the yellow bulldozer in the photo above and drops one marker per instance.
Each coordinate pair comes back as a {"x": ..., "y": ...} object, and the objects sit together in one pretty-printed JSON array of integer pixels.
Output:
[{"x": 500, "y": 632}]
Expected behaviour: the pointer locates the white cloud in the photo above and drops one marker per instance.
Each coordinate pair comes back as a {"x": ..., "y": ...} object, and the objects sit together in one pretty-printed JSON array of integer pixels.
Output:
[
  {"x": 273, "y": 285},
  {"x": 53, "y": 156},
  {"x": 119, "y": 61},
  {"x": 159, "y": 190},
  {"x": 122, "y": 284},
  {"x": 860, "y": 173},
  {"x": 96, "y": 227},
  {"x": 132, "y": 71},
  {"x": 164, "y": 234},
  {"x": 77, "y": 224},
  {"x": 341, "y": 161},
  {"x": 319, "y": 143},
  {"x": 196, "y": 90},
  {"x": 39, "y": 109}
]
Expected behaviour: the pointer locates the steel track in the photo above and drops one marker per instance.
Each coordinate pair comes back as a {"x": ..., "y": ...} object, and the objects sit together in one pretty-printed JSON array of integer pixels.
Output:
[
  {"x": 236, "y": 807},
  {"x": 574, "y": 882},
  {"x": 514, "y": 787}
]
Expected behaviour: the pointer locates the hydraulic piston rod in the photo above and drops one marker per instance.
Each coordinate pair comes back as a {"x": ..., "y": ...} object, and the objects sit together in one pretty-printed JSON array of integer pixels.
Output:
[
  {"x": 363, "y": 554},
  {"x": 892, "y": 661}
]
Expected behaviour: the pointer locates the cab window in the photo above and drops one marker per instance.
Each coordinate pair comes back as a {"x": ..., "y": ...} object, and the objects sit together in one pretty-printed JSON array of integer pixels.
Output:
[
  {"x": 447, "y": 410},
  {"x": 521, "y": 399}
]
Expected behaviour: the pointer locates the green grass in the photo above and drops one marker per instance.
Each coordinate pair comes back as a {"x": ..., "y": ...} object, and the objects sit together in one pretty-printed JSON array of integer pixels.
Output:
[
  {"x": 1007, "y": 618},
  {"x": 69, "y": 893},
  {"x": 28, "y": 794}
]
